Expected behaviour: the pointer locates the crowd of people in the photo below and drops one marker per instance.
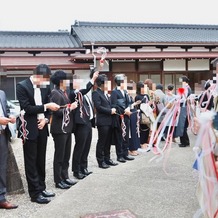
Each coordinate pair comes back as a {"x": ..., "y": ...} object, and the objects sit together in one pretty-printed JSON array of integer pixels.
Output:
[{"x": 124, "y": 117}]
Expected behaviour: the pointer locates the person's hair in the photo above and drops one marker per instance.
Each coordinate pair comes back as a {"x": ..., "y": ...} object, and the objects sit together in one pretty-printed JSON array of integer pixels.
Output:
[
  {"x": 57, "y": 77},
  {"x": 159, "y": 86},
  {"x": 100, "y": 79},
  {"x": 139, "y": 85},
  {"x": 118, "y": 79},
  {"x": 149, "y": 83},
  {"x": 170, "y": 87},
  {"x": 185, "y": 79},
  {"x": 42, "y": 69}
]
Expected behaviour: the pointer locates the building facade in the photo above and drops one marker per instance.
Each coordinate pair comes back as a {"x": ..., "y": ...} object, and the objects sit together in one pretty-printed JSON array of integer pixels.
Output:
[{"x": 161, "y": 52}]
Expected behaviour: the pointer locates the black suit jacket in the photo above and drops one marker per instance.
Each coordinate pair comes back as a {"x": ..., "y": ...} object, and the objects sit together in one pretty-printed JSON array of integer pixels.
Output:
[
  {"x": 76, "y": 112},
  {"x": 6, "y": 111},
  {"x": 103, "y": 108},
  {"x": 59, "y": 98},
  {"x": 119, "y": 102},
  {"x": 25, "y": 95}
]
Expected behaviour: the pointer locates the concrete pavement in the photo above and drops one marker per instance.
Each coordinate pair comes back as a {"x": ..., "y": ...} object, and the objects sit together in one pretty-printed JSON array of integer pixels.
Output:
[{"x": 145, "y": 189}]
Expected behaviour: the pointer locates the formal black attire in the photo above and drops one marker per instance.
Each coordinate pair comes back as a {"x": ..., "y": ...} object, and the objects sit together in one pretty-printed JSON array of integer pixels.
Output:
[
  {"x": 62, "y": 135},
  {"x": 184, "y": 138},
  {"x": 34, "y": 146},
  {"x": 4, "y": 139},
  {"x": 134, "y": 139},
  {"x": 102, "y": 105},
  {"x": 82, "y": 129},
  {"x": 120, "y": 102},
  {"x": 144, "y": 129}
]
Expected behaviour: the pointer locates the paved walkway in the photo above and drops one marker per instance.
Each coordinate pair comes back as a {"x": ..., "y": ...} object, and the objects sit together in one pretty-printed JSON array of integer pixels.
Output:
[{"x": 138, "y": 188}]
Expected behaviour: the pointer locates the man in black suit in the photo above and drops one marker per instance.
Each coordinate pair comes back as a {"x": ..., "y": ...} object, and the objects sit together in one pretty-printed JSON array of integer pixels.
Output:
[
  {"x": 83, "y": 123},
  {"x": 104, "y": 113},
  {"x": 33, "y": 95},
  {"x": 121, "y": 122},
  {"x": 4, "y": 139}
]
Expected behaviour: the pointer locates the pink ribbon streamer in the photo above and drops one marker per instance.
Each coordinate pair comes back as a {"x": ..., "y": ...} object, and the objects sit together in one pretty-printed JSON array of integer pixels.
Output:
[
  {"x": 138, "y": 123},
  {"x": 207, "y": 191}
]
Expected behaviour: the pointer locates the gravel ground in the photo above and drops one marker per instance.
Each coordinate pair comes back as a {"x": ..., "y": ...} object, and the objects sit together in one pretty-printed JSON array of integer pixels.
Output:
[{"x": 26, "y": 207}]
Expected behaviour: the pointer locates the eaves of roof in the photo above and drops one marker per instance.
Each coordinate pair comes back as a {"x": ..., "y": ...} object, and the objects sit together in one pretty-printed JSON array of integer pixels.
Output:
[
  {"x": 39, "y": 50},
  {"x": 25, "y": 63},
  {"x": 147, "y": 55}
]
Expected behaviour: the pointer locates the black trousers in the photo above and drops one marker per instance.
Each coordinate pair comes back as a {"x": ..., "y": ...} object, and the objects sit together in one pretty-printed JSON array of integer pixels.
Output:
[
  {"x": 103, "y": 144},
  {"x": 62, "y": 143},
  {"x": 121, "y": 141},
  {"x": 184, "y": 139},
  {"x": 34, "y": 162},
  {"x": 3, "y": 165},
  {"x": 83, "y": 138}
]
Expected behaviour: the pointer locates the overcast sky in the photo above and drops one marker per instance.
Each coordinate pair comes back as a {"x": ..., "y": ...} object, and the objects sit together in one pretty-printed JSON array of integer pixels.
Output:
[{"x": 51, "y": 15}]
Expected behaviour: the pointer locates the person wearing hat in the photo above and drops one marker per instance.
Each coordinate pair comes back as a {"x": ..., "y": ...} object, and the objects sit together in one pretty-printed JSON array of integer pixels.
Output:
[{"x": 33, "y": 96}]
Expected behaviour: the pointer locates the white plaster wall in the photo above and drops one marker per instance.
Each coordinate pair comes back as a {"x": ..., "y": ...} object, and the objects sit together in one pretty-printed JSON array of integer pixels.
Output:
[
  {"x": 149, "y": 49},
  {"x": 176, "y": 49},
  {"x": 172, "y": 65},
  {"x": 196, "y": 64},
  {"x": 123, "y": 49}
]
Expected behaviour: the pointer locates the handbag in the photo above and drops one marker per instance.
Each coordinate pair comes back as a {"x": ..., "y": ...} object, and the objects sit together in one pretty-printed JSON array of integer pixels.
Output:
[
  {"x": 148, "y": 111},
  {"x": 145, "y": 120}
]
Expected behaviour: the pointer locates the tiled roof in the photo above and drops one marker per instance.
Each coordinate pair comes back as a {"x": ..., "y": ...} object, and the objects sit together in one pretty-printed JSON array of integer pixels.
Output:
[
  {"x": 33, "y": 40},
  {"x": 121, "y": 33}
]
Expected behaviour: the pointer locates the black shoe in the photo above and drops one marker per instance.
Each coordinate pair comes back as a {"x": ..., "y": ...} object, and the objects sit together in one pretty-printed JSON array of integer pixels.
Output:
[
  {"x": 128, "y": 158},
  {"x": 121, "y": 159},
  {"x": 182, "y": 145},
  {"x": 86, "y": 172},
  {"x": 103, "y": 165},
  {"x": 62, "y": 185},
  {"x": 163, "y": 139},
  {"x": 47, "y": 194},
  {"x": 40, "y": 200},
  {"x": 70, "y": 182},
  {"x": 79, "y": 175},
  {"x": 111, "y": 163}
]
